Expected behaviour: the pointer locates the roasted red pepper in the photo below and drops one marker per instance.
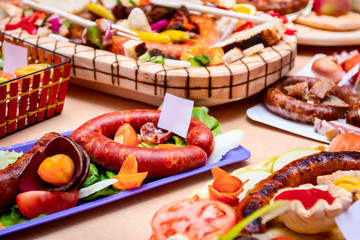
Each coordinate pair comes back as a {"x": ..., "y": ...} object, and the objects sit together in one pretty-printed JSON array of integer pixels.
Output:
[
  {"x": 290, "y": 32},
  {"x": 27, "y": 23},
  {"x": 308, "y": 197},
  {"x": 245, "y": 26}
]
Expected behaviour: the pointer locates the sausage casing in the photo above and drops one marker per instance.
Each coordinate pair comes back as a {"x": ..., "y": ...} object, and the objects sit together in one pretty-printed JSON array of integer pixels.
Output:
[
  {"x": 301, "y": 171},
  {"x": 95, "y": 136}
]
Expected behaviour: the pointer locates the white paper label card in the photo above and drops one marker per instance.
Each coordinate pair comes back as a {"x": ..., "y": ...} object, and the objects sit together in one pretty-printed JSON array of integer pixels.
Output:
[
  {"x": 349, "y": 221},
  {"x": 14, "y": 57},
  {"x": 176, "y": 114}
]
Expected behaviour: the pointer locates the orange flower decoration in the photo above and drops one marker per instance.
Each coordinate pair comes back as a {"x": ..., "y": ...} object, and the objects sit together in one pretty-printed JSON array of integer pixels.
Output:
[
  {"x": 215, "y": 53},
  {"x": 225, "y": 188},
  {"x": 128, "y": 176}
]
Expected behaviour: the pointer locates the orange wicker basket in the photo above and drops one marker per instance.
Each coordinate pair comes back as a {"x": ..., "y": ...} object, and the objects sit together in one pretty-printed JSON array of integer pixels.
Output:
[{"x": 37, "y": 96}]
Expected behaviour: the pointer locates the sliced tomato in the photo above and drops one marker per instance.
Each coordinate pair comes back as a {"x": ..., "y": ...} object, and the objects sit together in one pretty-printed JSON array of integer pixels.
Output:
[
  {"x": 350, "y": 63},
  {"x": 196, "y": 218},
  {"x": 345, "y": 142},
  {"x": 126, "y": 135},
  {"x": 33, "y": 203}
]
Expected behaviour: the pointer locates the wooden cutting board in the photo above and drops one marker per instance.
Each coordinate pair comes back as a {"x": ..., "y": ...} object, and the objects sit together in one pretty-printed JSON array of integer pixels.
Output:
[{"x": 316, "y": 37}]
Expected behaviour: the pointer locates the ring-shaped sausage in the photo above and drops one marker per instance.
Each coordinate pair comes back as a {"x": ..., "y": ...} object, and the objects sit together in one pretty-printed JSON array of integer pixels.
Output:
[
  {"x": 96, "y": 135},
  {"x": 299, "y": 110}
]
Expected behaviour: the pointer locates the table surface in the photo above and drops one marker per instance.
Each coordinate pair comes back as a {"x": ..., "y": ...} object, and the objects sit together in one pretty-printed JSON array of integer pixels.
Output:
[{"x": 130, "y": 218}]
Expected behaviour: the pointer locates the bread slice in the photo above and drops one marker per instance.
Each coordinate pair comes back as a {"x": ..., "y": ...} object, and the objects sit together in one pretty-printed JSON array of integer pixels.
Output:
[
  {"x": 298, "y": 90},
  {"x": 267, "y": 33},
  {"x": 134, "y": 48},
  {"x": 319, "y": 90},
  {"x": 347, "y": 22},
  {"x": 70, "y": 6},
  {"x": 333, "y": 101}
]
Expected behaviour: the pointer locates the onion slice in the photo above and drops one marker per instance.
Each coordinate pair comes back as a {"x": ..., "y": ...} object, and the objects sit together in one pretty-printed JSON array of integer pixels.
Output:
[
  {"x": 160, "y": 25},
  {"x": 224, "y": 143},
  {"x": 58, "y": 37},
  {"x": 254, "y": 49},
  {"x": 87, "y": 191},
  {"x": 177, "y": 63}
]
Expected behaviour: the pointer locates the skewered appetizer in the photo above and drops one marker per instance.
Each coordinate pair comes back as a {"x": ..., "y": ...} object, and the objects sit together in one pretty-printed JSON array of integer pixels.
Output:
[{"x": 164, "y": 33}]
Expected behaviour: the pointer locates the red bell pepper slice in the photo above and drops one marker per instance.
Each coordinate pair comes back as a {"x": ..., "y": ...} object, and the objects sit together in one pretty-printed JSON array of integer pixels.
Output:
[{"x": 26, "y": 23}]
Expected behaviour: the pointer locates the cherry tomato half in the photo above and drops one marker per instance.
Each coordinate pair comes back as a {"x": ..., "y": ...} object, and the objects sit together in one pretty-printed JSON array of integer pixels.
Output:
[
  {"x": 196, "y": 218},
  {"x": 126, "y": 135},
  {"x": 33, "y": 203}
]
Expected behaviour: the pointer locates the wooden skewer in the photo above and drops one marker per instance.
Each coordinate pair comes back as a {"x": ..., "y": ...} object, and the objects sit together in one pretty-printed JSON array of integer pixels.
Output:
[
  {"x": 212, "y": 10},
  {"x": 78, "y": 20}
]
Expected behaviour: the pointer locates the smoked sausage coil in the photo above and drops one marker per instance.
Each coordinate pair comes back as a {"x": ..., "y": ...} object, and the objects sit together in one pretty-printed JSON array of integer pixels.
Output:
[
  {"x": 291, "y": 108},
  {"x": 301, "y": 171},
  {"x": 299, "y": 110},
  {"x": 9, "y": 176},
  {"x": 96, "y": 135}
]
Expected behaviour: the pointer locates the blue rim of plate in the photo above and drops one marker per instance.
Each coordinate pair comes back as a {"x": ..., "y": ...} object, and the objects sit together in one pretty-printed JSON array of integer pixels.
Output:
[{"x": 236, "y": 155}]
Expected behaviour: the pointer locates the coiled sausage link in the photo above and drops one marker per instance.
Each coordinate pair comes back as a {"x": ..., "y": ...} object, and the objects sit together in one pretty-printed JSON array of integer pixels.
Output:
[
  {"x": 291, "y": 108},
  {"x": 301, "y": 171},
  {"x": 96, "y": 135},
  {"x": 299, "y": 110}
]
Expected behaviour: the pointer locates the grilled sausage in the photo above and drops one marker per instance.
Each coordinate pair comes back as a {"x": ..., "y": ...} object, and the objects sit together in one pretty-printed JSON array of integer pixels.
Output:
[
  {"x": 172, "y": 51},
  {"x": 301, "y": 171},
  {"x": 96, "y": 135},
  {"x": 299, "y": 110},
  {"x": 9, "y": 176}
]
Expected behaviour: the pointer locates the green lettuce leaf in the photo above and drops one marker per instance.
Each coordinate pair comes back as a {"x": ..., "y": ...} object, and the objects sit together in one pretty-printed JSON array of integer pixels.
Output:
[
  {"x": 102, "y": 193},
  {"x": 179, "y": 141},
  {"x": 12, "y": 216},
  {"x": 97, "y": 174},
  {"x": 201, "y": 113},
  {"x": 147, "y": 145},
  {"x": 7, "y": 158}
]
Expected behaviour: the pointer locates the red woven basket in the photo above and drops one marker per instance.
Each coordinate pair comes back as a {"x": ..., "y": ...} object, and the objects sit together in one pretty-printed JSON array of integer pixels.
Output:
[{"x": 37, "y": 96}]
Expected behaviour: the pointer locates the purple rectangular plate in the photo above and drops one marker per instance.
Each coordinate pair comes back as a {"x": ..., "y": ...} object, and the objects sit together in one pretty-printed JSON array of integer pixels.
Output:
[{"x": 236, "y": 155}]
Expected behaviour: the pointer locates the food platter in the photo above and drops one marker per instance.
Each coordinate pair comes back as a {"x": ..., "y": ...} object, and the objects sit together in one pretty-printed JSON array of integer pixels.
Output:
[
  {"x": 236, "y": 155},
  {"x": 316, "y": 37},
  {"x": 148, "y": 82}
]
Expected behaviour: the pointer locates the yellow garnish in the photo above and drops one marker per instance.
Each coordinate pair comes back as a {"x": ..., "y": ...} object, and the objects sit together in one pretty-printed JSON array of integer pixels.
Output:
[
  {"x": 245, "y": 8},
  {"x": 349, "y": 183}
]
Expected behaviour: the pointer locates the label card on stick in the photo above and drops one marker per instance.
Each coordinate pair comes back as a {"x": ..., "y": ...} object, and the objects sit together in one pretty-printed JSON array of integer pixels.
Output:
[
  {"x": 176, "y": 114},
  {"x": 14, "y": 57},
  {"x": 349, "y": 221}
]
